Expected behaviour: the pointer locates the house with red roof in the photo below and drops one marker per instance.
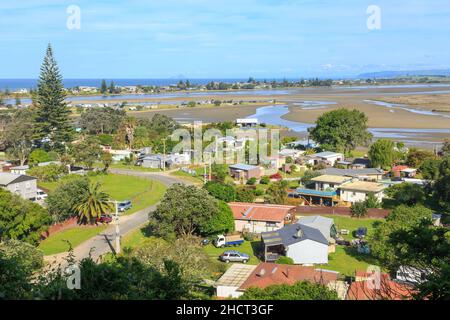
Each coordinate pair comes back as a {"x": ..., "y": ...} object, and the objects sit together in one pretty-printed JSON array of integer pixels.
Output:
[
  {"x": 236, "y": 280},
  {"x": 257, "y": 218}
]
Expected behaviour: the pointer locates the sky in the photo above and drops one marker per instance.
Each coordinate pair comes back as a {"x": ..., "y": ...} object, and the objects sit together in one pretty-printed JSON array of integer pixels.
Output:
[{"x": 223, "y": 38}]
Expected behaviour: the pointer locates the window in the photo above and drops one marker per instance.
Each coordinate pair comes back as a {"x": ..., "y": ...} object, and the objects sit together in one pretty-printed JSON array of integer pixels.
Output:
[{"x": 271, "y": 224}]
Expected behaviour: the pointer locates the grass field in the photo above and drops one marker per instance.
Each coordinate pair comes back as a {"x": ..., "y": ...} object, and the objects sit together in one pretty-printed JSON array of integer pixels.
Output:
[
  {"x": 134, "y": 239},
  {"x": 57, "y": 243},
  {"x": 353, "y": 224},
  {"x": 142, "y": 192},
  {"x": 248, "y": 247}
]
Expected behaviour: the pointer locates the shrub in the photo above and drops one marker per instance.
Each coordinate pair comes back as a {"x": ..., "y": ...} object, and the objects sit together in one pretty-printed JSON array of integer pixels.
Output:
[
  {"x": 265, "y": 180},
  {"x": 251, "y": 181},
  {"x": 284, "y": 260},
  {"x": 49, "y": 173}
]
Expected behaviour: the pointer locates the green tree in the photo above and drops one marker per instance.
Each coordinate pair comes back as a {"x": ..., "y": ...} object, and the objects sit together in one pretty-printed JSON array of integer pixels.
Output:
[
  {"x": 221, "y": 191},
  {"x": 49, "y": 173},
  {"x": 252, "y": 181},
  {"x": 62, "y": 201},
  {"x": 245, "y": 194},
  {"x": 359, "y": 209},
  {"x": 93, "y": 204},
  {"x": 104, "y": 87},
  {"x": 112, "y": 88},
  {"x": 277, "y": 193},
  {"x": 182, "y": 212},
  {"x": 401, "y": 218},
  {"x": 430, "y": 169},
  {"x": 299, "y": 291},
  {"x": 416, "y": 157},
  {"x": 308, "y": 175},
  {"x": 264, "y": 180},
  {"x": 220, "y": 223},
  {"x": 52, "y": 120},
  {"x": 219, "y": 171},
  {"x": 107, "y": 160},
  {"x": 102, "y": 120},
  {"x": 372, "y": 201},
  {"x": 382, "y": 153},
  {"x": 18, "y": 135},
  {"x": 21, "y": 219},
  {"x": 341, "y": 130},
  {"x": 38, "y": 156},
  {"x": 86, "y": 152},
  {"x": 407, "y": 193}
]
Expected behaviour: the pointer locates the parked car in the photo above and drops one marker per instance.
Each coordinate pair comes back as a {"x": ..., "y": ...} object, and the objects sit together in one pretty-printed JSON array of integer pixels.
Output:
[
  {"x": 104, "y": 218},
  {"x": 124, "y": 205},
  {"x": 41, "y": 195},
  {"x": 228, "y": 241},
  {"x": 361, "y": 232},
  {"x": 205, "y": 242},
  {"x": 234, "y": 256}
]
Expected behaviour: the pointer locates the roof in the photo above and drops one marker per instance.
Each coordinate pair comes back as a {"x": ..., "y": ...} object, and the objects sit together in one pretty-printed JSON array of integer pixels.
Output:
[
  {"x": 259, "y": 212},
  {"x": 363, "y": 186},
  {"x": 330, "y": 179},
  {"x": 291, "y": 234},
  {"x": 317, "y": 221},
  {"x": 399, "y": 168},
  {"x": 236, "y": 275},
  {"x": 387, "y": 289},
  {"x": 326, "y": 154},
  {"x": 317, "y": 193},
  {"x": 267, "y": 274},
  {"x": 7, "y": 178},
  {"x": 241, "y": 166},
  {"x": 25, "y": 167},
  {"x": 352, "y": 172}
]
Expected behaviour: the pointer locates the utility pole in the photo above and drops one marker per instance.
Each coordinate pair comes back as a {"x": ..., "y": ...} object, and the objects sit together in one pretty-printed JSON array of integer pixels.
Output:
[
  {"x": 164, "y": 154},
  {"x": 116, "y": 222}
]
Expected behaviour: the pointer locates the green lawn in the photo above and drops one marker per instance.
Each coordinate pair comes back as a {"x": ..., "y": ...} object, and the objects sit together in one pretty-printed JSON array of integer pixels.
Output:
[
  {"x": 352, "y": 224},
  {"x": 142, "y": 192},
  {"x": 134, "y": 239},
  {"x": 132, "y": 167},
  {"x": 57, "y": 242},
  {"x": 248, "y": 247}
]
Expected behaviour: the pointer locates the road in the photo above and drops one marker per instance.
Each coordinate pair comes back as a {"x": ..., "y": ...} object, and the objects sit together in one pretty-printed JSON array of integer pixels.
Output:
[{"x": 104, "y": 242}]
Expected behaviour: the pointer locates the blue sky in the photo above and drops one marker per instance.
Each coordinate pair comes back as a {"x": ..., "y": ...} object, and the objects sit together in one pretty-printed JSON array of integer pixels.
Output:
[{"x": 223, "y": 38}]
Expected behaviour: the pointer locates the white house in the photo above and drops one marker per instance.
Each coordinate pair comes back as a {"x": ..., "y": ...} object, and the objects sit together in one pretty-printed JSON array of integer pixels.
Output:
[
  {"x": 324, "y": 225},
  {"x": 119, "y": 155},
  {"x": 328, "y": 157},
  {"x": 359, "y": 190},
  {"x": 20, "y": 169},
  {"x": 303, "y": 244},
  {"x": 327, "y": 182},
  {"x": 247, "y": 122},
  {"x": 23, "y": 185}
]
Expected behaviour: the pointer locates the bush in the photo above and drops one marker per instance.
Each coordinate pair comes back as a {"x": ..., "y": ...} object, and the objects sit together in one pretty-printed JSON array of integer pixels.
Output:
[
  {"x": 359, "y": 209},
  {"x": 49, "y": 173},
  {"x": 285, "y": 260},
  {"x": 221, "y": 191},
  {"x": 251, "y": 181},
  {"x": 265, "y": 180},
  {"x": 38, "y": 156},
  {"x": 245, "y": 195}
]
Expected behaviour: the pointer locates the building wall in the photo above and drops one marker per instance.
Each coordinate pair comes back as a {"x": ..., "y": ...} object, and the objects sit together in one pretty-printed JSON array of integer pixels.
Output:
[
  {"x": 308, "y": 252},
  {"x": 256, "y": 226},
  {"x": 227, "y": 292},
  {"x": 154, "y": 164},
  {"x": 356, "y": 196},
  {"x": 26, "y": 189}
]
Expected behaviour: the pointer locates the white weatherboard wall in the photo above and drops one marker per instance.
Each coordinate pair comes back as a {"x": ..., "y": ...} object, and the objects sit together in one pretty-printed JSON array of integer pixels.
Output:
[
  {"x": 356, "y": 196},
  {"x": 228, "y": 292},
  {"x": 26, "y": 189},
  {"x": 308, "y": 252}
]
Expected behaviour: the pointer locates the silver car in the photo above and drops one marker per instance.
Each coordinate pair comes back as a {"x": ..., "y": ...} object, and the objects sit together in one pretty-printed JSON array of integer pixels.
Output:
[{"x": 234, "y": 256}]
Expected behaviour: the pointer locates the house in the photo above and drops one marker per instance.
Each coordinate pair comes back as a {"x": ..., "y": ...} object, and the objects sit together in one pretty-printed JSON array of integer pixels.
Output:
[
  {"x": 23, "y": 185},
  {"x": 372, "y": 286},
  {"x": 247, "y": 123},
  {"x": 328, "y": 182},
  {"x": 119, "y": 155},
  {"x": 293, "y": 153},
  {"x": 369, "y": 174},
  {"x": 359, "y": 190},
  {"x": 20, "y": 169},
  {"x": 361, "y": 163},
  {"x": 403, "y": 172},
  {"x": 159, "y": 161},
  {"x": 324, "y": 225},
  {"x": 330, "y": 158},
  {"x": 236, "y": 280},
  {"x": 274, "y": 162},
  {"x": 257, "y": 218},
  {"x": 245, "y": 171},
  {"x": 303, "y": 244}
]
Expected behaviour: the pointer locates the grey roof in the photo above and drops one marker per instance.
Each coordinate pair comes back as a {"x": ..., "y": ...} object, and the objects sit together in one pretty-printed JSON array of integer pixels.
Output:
[
  {"x": 326, "y": 154},
  {"x": 241, "y": 166},
  {"x": 316, "y": 221},
  {"x": 352, "y": 172},
  {"x": 289, "y": 235},
  {"x": 7, "y": 178}
]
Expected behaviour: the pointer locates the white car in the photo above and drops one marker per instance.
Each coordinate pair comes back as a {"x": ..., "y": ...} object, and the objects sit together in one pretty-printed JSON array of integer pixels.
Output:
[{"x": 41, "y": 195}]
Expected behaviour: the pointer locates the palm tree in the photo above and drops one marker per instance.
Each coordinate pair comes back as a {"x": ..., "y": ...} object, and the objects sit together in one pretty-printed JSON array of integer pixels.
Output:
[{"x": 93, "y": 204}]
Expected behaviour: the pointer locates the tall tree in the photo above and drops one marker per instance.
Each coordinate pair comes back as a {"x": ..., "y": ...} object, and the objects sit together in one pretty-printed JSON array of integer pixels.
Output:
[
  {"x": 341, "y": 130},
  {"x": 18, "y": 136},
  {"x": 104, "y": 87},
  {"x": 52, "y": 120},
  {"x": 382, "y": 153}
]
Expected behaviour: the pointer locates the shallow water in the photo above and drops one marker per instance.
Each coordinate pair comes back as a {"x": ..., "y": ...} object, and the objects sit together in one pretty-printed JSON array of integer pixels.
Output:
[{"x": 406, "y": 108}]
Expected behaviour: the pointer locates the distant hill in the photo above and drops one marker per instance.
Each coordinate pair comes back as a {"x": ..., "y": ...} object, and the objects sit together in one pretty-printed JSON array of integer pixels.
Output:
[{"x": 411, "y": 73}]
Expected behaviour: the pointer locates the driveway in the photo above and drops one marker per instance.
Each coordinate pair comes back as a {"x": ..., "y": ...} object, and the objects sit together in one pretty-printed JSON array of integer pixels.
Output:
[{"x": 104, "y": 242}]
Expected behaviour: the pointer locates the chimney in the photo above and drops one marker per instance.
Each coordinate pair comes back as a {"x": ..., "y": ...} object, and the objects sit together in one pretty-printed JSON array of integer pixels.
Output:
[{"x": 261, "y": 273}]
